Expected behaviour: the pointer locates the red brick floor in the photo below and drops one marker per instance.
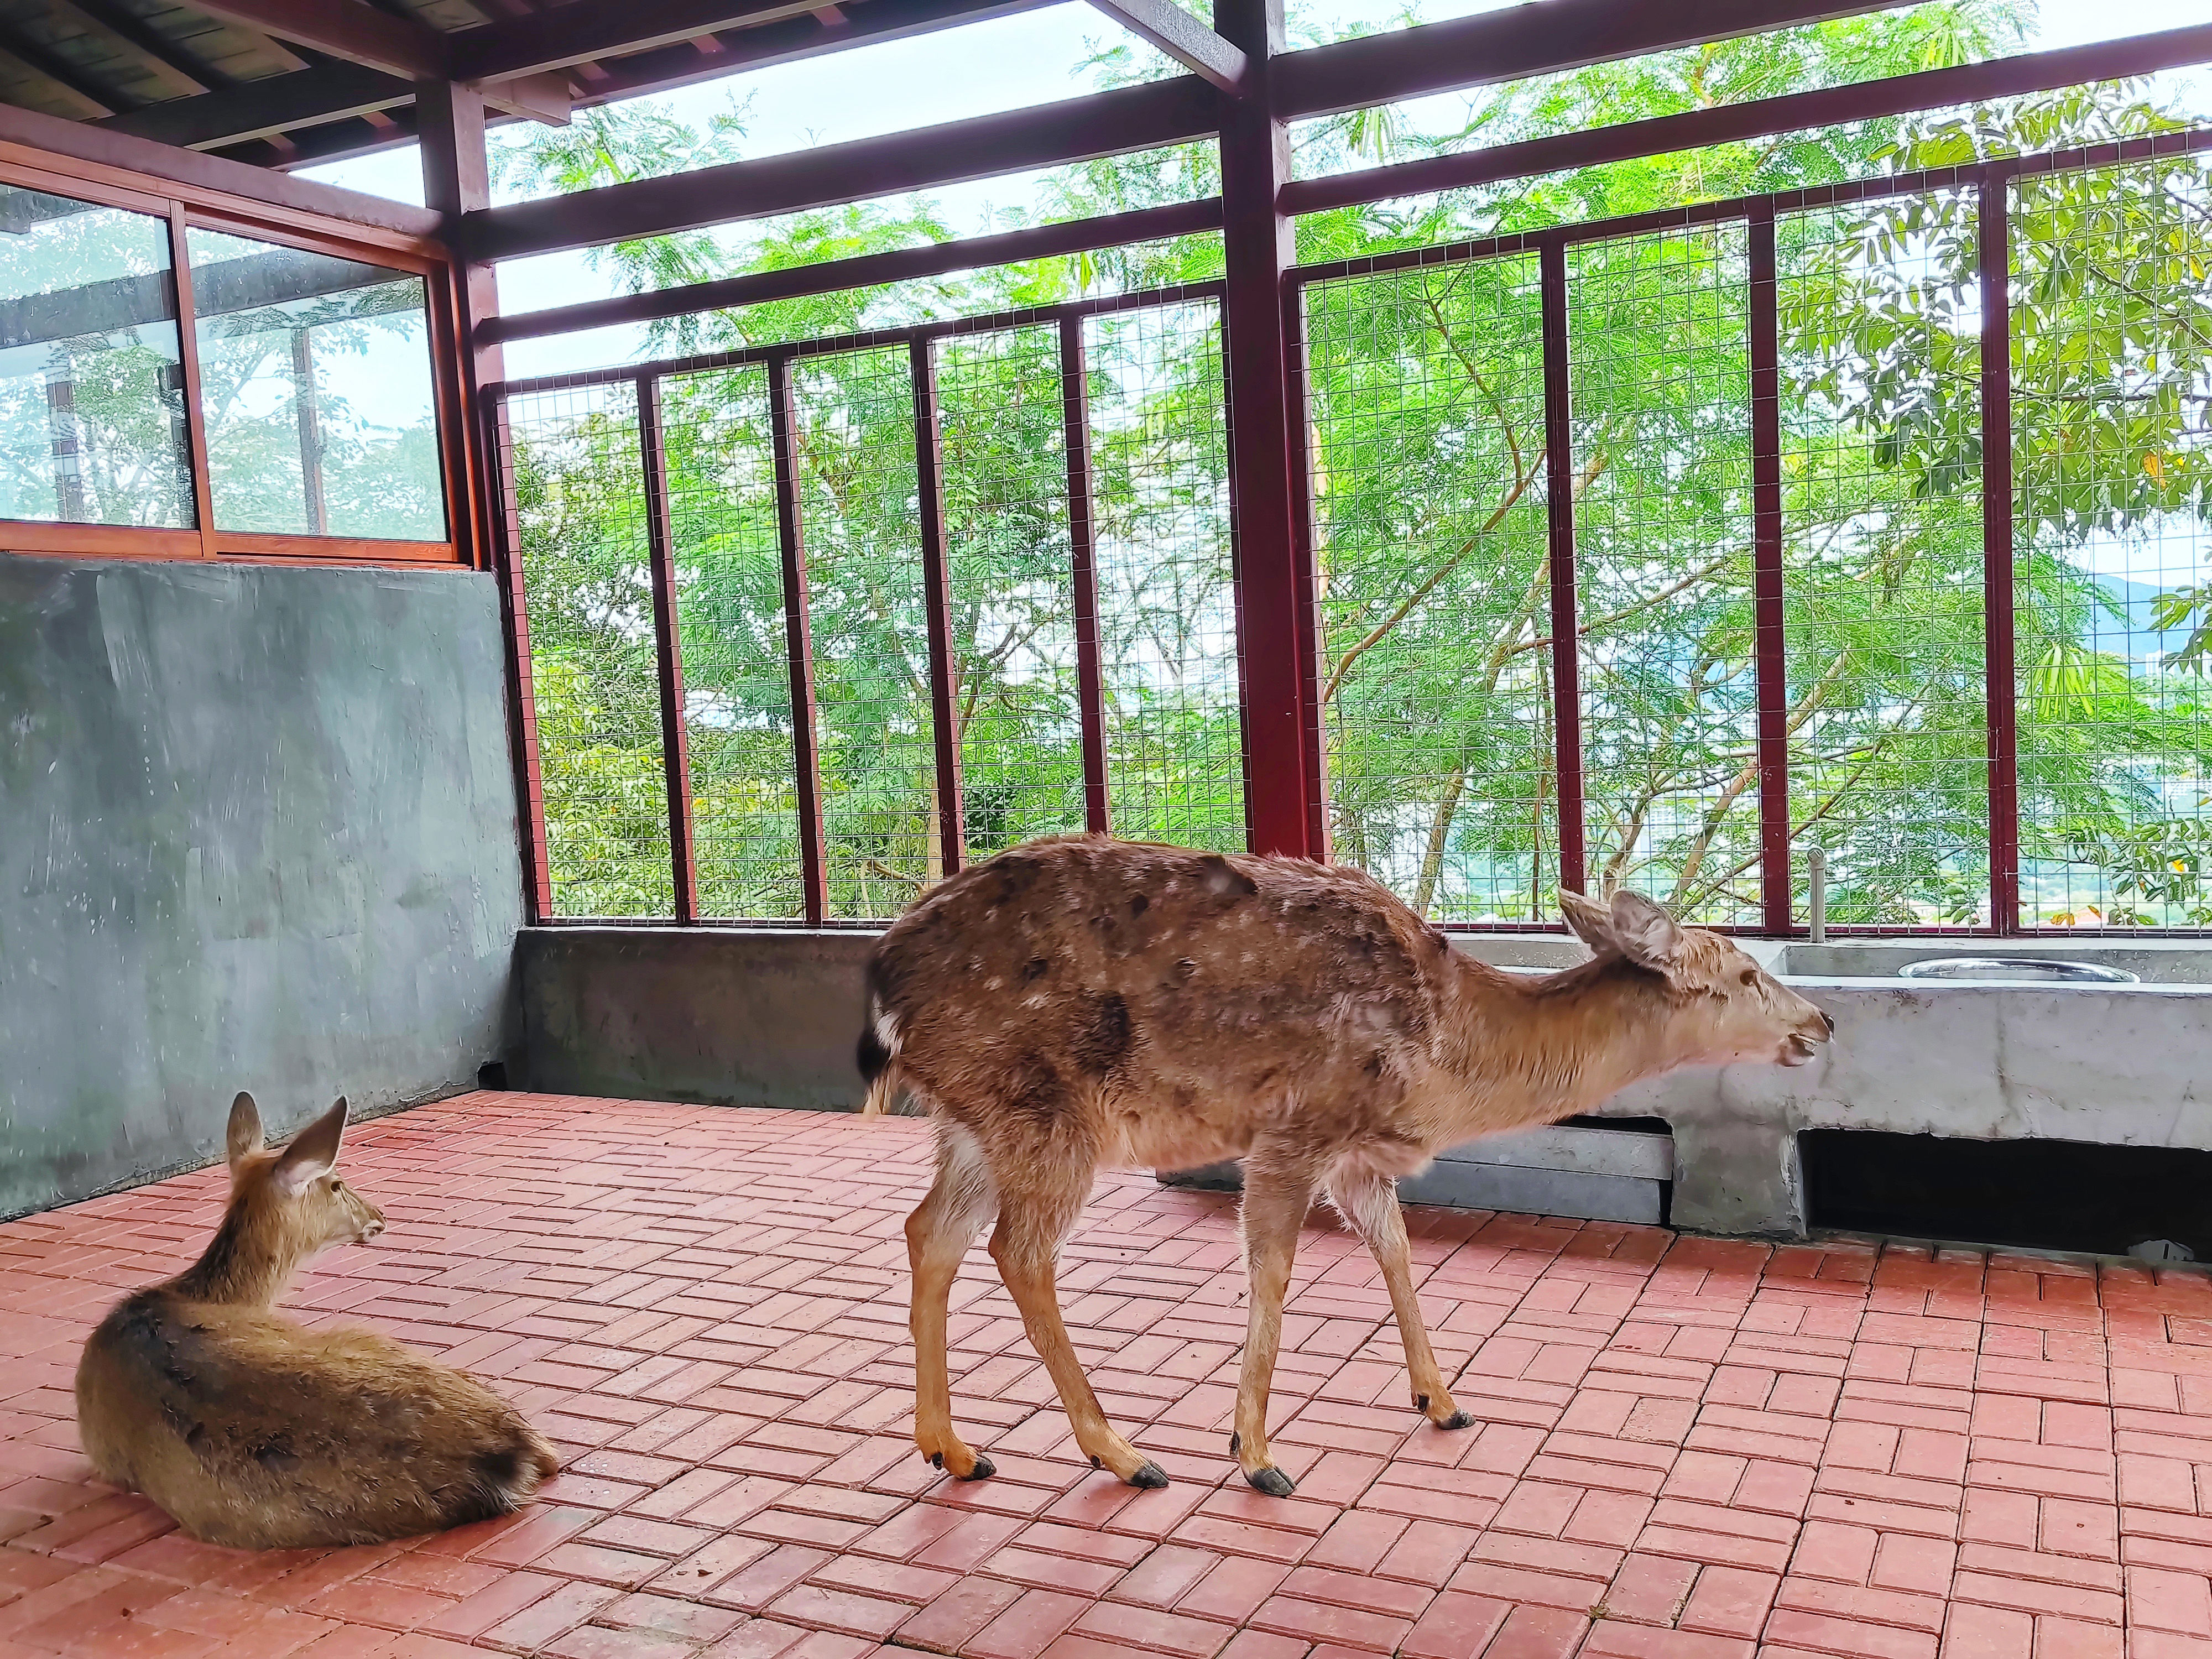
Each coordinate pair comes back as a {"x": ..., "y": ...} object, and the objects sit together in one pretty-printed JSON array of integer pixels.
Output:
[{"x": 1686, "y": 1448}]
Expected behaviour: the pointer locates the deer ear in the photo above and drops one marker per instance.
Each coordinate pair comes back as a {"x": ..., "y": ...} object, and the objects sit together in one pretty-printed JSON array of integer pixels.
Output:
[
  {"x": 1592, "y": 921},
  {"x": 1647, "y": 935},
  {"x": 313, "y": 1152},
  {"x": 243, "y": 1139}
]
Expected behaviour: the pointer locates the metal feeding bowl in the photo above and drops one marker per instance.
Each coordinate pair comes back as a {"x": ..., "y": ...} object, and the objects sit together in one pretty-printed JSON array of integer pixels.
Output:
[{"x": 2038, "y": 969}]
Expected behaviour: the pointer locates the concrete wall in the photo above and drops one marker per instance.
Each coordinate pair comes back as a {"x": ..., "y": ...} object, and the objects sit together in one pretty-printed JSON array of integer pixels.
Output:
[
  {"x": 731, "y": 1017},
  {"x": 771, "y": 1018},
  {"x": 257, "y": 830}
]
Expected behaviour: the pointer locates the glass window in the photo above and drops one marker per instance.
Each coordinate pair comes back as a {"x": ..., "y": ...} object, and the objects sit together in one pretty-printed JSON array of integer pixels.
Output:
[
  {"x": 315, "y": 377},
  {"x": 91, "y": 390}
]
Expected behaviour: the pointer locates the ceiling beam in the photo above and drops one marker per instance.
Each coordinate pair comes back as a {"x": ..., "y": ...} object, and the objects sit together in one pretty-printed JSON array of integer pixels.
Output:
[
  {"x": 567, "y": 35},
  {"x": 179, "y": 69},
  {"x": 218, "y": 124},
  {"x": 48, "y": 64},
  {"x": 864, "y": 270},
  {"x": 1542, "y": 38},
  {"x": 349, "y": 29},
  {"x": 1764, "y": 117},
  {"x": 1076, "y": 130},
  {"x": 255, "y": 109},
  {"x": 1184, "y": 39}
]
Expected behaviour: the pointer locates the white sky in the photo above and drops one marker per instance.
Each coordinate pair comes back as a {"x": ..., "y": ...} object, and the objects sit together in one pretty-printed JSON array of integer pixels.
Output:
[{"x": 1009, "y": 62}]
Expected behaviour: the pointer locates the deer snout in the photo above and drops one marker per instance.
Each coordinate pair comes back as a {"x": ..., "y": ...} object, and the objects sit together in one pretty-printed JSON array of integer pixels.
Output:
[{"x": 1807, "y": 1038}]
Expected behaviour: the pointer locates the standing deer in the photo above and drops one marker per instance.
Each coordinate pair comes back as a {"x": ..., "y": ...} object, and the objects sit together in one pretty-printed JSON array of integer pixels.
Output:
[
  {"x": 1079, "y": 1004},
  {"x": 255, "y": 1432}
]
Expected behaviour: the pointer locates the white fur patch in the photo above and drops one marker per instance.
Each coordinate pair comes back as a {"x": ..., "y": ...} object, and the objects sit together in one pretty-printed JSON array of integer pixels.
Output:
[{"x": 887, "y": 1031}]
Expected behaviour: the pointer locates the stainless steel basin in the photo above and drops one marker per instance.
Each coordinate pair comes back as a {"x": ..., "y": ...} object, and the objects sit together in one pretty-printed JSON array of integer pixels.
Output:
[{"x": 2014, "y": 969}]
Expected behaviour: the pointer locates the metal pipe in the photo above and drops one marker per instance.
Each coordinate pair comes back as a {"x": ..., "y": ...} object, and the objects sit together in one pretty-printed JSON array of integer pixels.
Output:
[{"x": 1816, "y": 873}]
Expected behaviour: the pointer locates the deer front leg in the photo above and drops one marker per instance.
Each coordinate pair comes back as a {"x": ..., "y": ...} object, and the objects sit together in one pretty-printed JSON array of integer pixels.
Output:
[
  {"x": 1276, "y": 1199},
  {"x": 1024, "y": 1244},
  {"x": 1369, "y": 1204},
  {"x": 937, "y": 1234}
]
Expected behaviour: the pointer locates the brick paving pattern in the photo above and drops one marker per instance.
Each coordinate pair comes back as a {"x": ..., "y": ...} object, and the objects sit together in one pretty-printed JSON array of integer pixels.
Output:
[{"x": 1686, "y": 1448}]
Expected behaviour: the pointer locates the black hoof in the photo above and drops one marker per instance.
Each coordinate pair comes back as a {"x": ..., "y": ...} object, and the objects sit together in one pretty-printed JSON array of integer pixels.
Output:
[
  {"x": 1420, "y": 1402},
  {"x": 1149, "y": 1475},
  {"x": 1273, "y": 1482},
  {"x": 1235, "y": 1443},
  {"x": 936, "y": 1460},
  {"x": 1457, "y": 1420},
  {"x": 984, "y": 1469}
]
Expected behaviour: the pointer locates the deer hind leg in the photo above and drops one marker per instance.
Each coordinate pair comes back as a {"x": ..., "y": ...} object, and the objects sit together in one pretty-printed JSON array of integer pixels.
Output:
[
  {"x": 1033, "y": 1219},
  {"x": 1277, "y": 1196},
  {"x": 937, "y": 1234},
  {"x": 1369, "y": 1204}
]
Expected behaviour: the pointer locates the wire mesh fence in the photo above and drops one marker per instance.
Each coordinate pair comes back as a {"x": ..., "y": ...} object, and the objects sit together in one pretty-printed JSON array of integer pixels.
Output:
[
  {"x": 1428, "y": 449},
  {"x": 2111, "y": 309},
  {"x": 1658, "y": 331},
  {"x": 578, "y": 481},
  {"x": 1887, "y": 710},
  {"x": 1167, "y": 603},
  {"x": 1015, "y": 696},
  {"x": 852, "y": 438},
  {"x": 1791, "y": 622},
  {"x": 728, "y": 569}
]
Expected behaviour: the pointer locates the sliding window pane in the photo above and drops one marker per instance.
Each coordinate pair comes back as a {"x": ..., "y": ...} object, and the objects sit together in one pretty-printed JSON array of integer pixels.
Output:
[
  {"x": 91, "y": 401},
  {"x": 315, "y": 376}
]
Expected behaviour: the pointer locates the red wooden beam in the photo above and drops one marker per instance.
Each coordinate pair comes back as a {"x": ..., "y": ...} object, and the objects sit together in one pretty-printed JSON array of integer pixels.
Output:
[
  {"x": 1275, "y": 587},
  {"x": 866, "y": 270},
  {"x": 1771, "y": 663},
  {"x": 1993, "y": 229},
  {"x": 1519, "y": 41},
  {"x": 1184, "y": 39},
  {"x": 1083, "y": 570},
  {"x": 1566, "y": 620},
  {"x": 562, "y": 36},
  {"x": 349, "y": 29},
  {"x": 1077, "y": 129},
  {"x": 798, "y": 644},
  {"x": 668, "y": 648},
  {"x": 1666, "y": 135},
  {"x": 936, "y": 603}
]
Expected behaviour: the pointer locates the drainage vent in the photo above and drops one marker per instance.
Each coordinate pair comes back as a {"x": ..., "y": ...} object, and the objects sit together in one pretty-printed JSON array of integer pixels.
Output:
[{"x": 2033, "y": 1194}]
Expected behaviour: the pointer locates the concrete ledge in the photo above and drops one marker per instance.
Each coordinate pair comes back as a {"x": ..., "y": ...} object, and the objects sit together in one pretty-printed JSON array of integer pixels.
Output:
[{"x": 724, "y": 1017}]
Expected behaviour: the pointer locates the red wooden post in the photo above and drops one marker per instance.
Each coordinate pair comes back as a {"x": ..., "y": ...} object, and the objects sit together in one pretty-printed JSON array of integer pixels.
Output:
[
  {"x": 1275, "y": 587},
  {"x": 668, "y": 648},
  {"x": 936, "y": 599},
  {"x": 798, "y": 641},
  {"x": 1773, "y": 667},
  {"x": 457, "y": 181},
  {"x": 1559, "y": 501},
  {"x": 1083, "y": 538},
  {"x": 1995, "y": 247}
]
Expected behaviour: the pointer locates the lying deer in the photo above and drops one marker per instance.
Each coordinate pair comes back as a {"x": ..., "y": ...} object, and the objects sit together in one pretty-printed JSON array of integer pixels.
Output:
[
  {"x": 255, "y": 1432},
  {"x": 1078, "y": 1004}
]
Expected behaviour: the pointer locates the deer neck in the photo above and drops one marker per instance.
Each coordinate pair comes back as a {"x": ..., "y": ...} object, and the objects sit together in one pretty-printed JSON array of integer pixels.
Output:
[
  {"x": 1539, "y": 1050},
  {"x": 237, "y": 1269}
]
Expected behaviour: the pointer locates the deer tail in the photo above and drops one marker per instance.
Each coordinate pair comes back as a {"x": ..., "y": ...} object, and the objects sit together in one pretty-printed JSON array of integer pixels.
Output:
[{"x": 879, "y": 1055}]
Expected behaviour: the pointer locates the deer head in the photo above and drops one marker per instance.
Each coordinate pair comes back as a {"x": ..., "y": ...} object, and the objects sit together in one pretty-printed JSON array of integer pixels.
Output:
[
  {"x": 1734, "y": 1009},
  {"x": 288, "y": 1205}
]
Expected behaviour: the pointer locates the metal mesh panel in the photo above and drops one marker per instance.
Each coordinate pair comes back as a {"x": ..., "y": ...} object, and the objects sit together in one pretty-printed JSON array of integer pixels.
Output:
[
  {"x": 1661, "y": 387},
  {"x": 1167, "y": 623},
  {"x": 580, "y": 487},
  {"x": 2113, "y": 356},
  {"x": 1002, "y": 437},
  {"x": 1880, "y": 362},
  {"x": 737, "y": 662},
  {"x": 854, "y": 443},
  {"x": 1427, "y": 401}
]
